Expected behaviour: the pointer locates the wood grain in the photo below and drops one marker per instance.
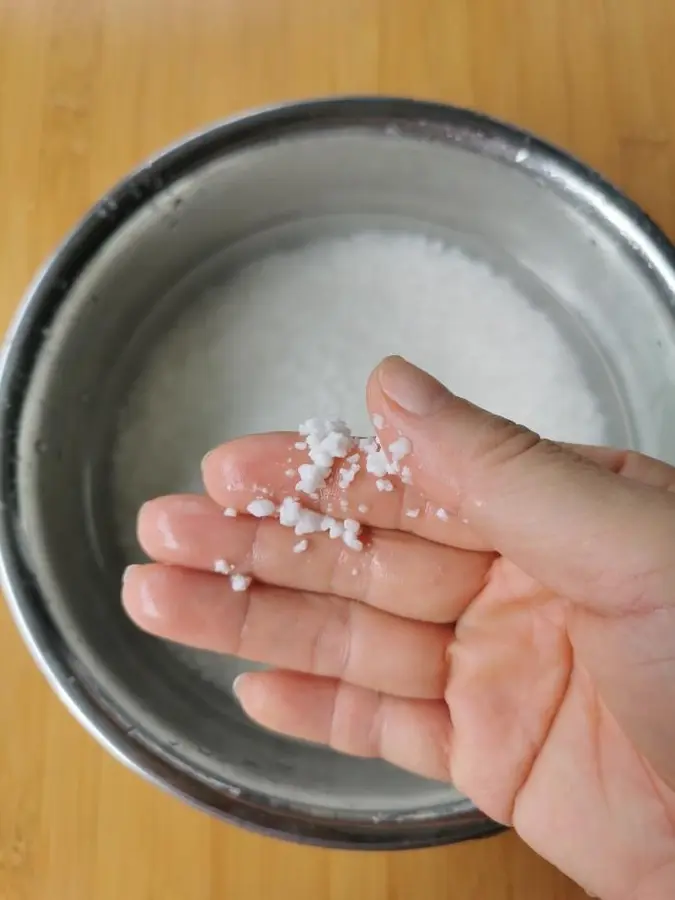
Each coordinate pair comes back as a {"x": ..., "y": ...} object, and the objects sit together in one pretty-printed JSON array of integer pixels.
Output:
[{"x": 90, "y": 87}]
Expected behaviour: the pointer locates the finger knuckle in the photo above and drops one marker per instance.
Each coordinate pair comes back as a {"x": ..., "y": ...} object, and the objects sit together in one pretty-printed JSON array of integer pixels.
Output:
[
  {"x": 330, "y": 646},
  {"x": 501, "y": 442}
]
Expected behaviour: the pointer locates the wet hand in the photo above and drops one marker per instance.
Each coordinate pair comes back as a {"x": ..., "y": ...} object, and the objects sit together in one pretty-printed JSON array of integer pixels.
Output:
[{"x": 523, "y": 646}]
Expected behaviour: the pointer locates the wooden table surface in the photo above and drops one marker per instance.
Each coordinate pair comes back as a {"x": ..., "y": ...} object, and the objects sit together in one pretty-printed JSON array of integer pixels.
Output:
[{"x": 90, "y": 87}]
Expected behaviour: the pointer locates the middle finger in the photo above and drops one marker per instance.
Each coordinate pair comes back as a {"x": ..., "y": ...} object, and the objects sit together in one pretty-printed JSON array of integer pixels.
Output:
[{"x": 397, "y": 572}]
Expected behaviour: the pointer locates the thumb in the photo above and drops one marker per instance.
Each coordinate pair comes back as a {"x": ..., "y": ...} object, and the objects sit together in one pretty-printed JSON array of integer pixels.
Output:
[{"x": 603, "y": 540}]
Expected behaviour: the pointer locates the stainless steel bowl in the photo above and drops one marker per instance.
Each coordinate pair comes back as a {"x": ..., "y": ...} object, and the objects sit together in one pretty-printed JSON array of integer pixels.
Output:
[{"x": 124, "y": 272}]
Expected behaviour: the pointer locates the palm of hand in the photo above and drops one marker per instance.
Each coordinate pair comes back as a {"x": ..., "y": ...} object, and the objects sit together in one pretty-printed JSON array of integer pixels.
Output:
[{"x": 535, "y": 745}]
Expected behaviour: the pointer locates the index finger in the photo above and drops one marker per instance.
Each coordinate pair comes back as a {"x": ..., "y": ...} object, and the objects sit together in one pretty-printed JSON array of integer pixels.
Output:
[{"x": 266, "y": 467}]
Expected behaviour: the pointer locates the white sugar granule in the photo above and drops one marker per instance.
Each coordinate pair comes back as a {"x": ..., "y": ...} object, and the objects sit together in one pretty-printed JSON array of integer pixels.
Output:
[
  {"x": 376, "y": 460},
  {"x": 240, "y": 583},
  {"x": 348, "y": 475},
  {"x": 412, "y": 513},
  {"x": 309, "y": 522},
  {"x": 312, "y": 477},
  {"x": 327, "y": 440},
  {"x": 384, "y": 485},
  {"x": 301, "y": 546},
  {"x": 230, "y": 512},
  {"x": 289, "y": 512},
  {"x": 261, "y": 508},
  {"x": 352, "y": 541},
  {"x": 334, "y": 527},
  {"x": 442, "y": 514},
  {"x": 399, "y": 448},
  {"x": 221, "y": 566},
  {"x": 302, "y": 330}
]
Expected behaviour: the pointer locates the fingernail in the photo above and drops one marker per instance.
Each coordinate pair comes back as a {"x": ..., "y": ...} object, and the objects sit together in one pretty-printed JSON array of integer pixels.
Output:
[
  {"x": 164, "y": 525},
  {"x": 148, "y": 603},
  {"x": 413, "y": 390},
  {"x": 236, "y": 684},
  {"x": 127, "y": 572},
  {"x": 205, "y": 457}
]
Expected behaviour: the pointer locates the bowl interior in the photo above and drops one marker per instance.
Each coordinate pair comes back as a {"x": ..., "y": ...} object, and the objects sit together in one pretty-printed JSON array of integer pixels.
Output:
[{"x": 564, "y": 254}]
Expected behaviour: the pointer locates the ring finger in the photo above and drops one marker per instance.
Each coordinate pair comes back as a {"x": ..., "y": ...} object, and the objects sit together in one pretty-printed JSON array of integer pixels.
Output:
[{"x": 312, "y": 633}]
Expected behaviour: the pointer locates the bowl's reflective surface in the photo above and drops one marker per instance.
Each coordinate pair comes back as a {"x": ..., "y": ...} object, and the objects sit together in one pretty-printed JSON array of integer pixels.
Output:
[{"x": 109, "y": 295}]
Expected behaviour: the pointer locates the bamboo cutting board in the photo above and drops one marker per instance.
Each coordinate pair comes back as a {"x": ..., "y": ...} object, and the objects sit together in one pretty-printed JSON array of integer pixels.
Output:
[{"x": 88, "y": 88}]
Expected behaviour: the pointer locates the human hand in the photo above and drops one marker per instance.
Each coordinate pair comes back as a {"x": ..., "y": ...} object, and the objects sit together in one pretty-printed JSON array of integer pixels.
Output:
[{"x": 524, "y": 649}]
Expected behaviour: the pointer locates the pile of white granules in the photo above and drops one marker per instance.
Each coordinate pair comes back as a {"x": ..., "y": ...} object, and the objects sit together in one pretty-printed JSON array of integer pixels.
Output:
[
  {"x": 299, "y": 332},
  {"x": 328, "y": 441}
]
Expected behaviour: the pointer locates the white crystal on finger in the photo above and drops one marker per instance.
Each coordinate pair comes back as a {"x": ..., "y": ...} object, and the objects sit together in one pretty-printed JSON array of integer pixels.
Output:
[{"x": 261, "y": 508}]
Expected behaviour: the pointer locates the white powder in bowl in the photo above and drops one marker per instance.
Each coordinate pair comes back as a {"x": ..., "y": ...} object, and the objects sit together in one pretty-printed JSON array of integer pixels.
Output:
[{"x": 301, "y": 331}]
